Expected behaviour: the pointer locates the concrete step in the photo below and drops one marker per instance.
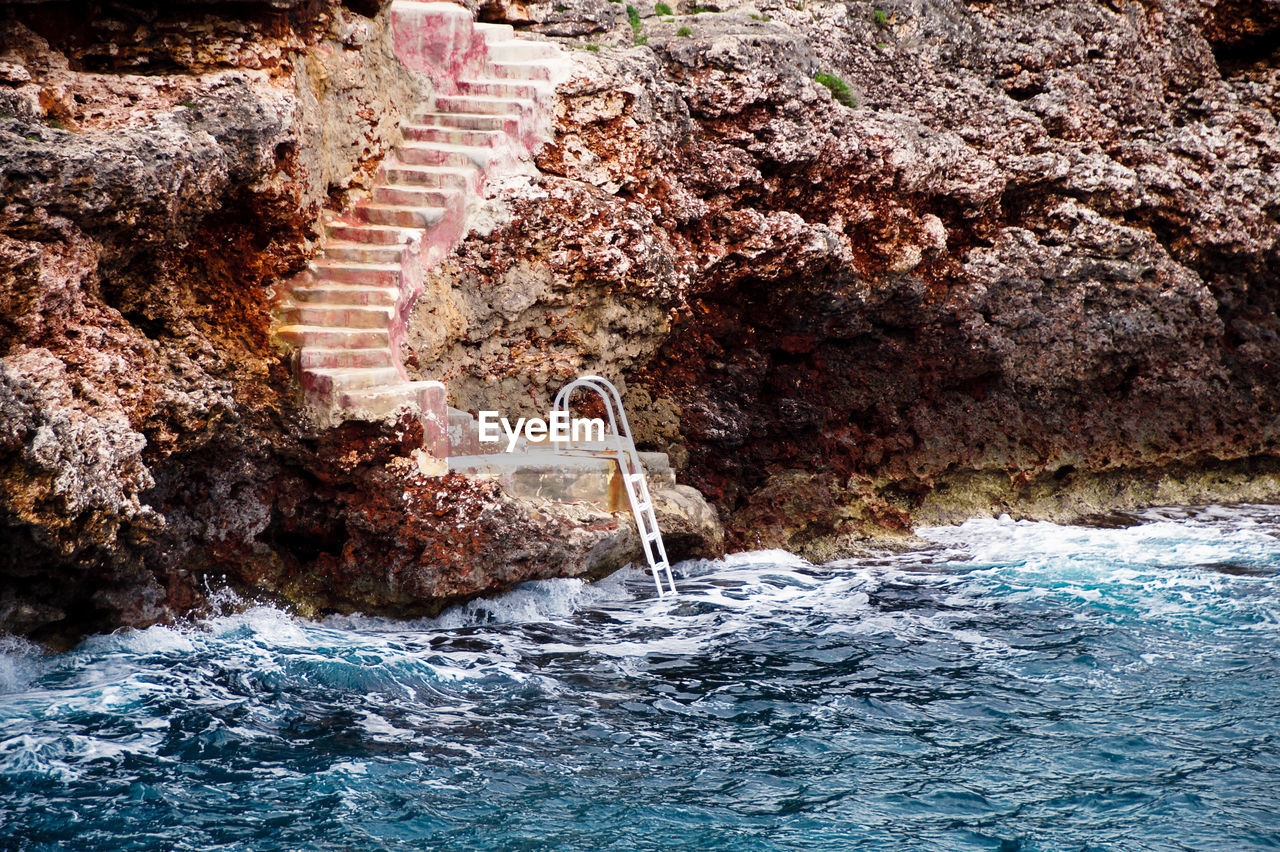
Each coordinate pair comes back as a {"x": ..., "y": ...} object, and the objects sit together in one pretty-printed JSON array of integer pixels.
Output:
[
  {"x": 312, "y": 359},
  {"x": 373, "y": 235},
  {"x": 401, "y": 217},
  {"x": 508, "y": 124},
  {"x": 520, "y": 70},
  {"x": 495, "y": 32},
  {"x": 329, "y": 380},
  {"x": 443, "y": 154},
  {"x": 439, "y": 177},
  {"x": 339, "y": 316},
  {"x": 417, "y": 196},
  {"x": 520, "y": 50},
  {"x": 327, "y": 337},
  {"x": 504, "y": 89},
  {"x": 359, "y": 252},
  {"x": 463, "y": 439},
  {"x": 354, "y": 272},
  {"x": 483, "y": 105},
  {"x": 454, "y": 135},
  {"x": 345, "y": 294},
  {"x": 379, "y": 401},
  {"x": 549, "y": 476}
]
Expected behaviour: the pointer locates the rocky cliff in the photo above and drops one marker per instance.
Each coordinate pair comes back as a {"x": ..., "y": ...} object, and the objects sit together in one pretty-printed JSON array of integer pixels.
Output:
[
  {"x": 860, "y": 265},
  {"x": 886, "y": 263},
  {"x": 162, "y": 172}
]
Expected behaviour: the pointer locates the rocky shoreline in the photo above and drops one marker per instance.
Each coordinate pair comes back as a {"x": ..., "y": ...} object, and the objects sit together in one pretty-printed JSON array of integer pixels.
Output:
[{"x": 1008, "y": 258}]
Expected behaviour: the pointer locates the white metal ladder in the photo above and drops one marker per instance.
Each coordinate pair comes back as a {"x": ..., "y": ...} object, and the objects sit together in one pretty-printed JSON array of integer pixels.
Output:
[{"x": 632, "y": 471}]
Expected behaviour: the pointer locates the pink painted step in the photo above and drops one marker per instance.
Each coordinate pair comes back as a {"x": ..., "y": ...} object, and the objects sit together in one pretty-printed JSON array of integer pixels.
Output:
[
  {"x": 508, "y": 124},
  {"x": 520, "y": 50},
  {"x": 520, "y": 70},
  {"x": 418, "y": 196},
  {"x": 361, "y": 232},
  {"x": 361, "y": 252},
  {"x": 495, "y": 32},
  {"x": 455, "y": 135},
  {"x": 403, "y": 217},
  {"x": 355, "y": 272},
  {"x": 339, "y": 316},
  {"x": 377, "y": 402},
  {"x": 484, "y": 105},
  {"x": 420, "y": 154},
  {"x": 440, "y": 177},
  {"x": 501, "y": 89},
  {"x": 346, "y": 294},
  {"x": 312, "y": 358},
  {"x": 464, "y": 435},
  {"x": 330, "y": 380},
  {"x": 329, "y": 337}
]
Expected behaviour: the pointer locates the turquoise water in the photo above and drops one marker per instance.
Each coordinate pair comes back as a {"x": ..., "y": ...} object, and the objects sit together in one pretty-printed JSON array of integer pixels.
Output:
[{"x": 1020, "y": 686}]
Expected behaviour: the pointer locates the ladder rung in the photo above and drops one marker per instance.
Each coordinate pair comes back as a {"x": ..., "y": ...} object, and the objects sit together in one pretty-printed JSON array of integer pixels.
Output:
[
  {"x": 653, "y": 536},
  {"x": 643, "y": 507},
  {"x": 635, "y": 477}
]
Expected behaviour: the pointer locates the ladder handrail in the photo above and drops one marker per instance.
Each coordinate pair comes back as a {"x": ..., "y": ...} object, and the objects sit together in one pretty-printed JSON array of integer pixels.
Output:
[{"x": 632, "y": 471}]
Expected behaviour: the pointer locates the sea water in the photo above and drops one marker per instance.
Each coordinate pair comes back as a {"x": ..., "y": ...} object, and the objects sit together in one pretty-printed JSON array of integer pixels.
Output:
[{"x": 1018, "y": 686}]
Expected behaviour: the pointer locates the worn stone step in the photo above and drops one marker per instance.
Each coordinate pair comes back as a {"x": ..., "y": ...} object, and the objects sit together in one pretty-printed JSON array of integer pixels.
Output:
[
  {"x": 439, "y": 177},
  {"x": 346, "y": 294},
  {"x": 403, "y": 217},
  {"x": 508, "y": 124},
  {"x": 463, "y": 438},
  {"x": 328, "y": 337},
  {"x": 417, "y": 196},
  {"x": 483, "y": 105},
  {"x": 313, "y": 358},
  {"x": 521, "y": 70},
  {"x": 330, "y": 380},
  {"x": 376, "y": 402},
  {"x": 355, "y": 272},
  {"x": 442, "y": 154},
  {"x": 495, "y": 32},
  {"x": 359, "y": 252},
  {"x": 454, "y": 135},
  {"x": 339, "y": 316},
  {"x": 520, "y": 50},
  {"x": 549, "y": 476},
  {"x": 503, "y": 89},
  {"x": 374, "y": 235}
]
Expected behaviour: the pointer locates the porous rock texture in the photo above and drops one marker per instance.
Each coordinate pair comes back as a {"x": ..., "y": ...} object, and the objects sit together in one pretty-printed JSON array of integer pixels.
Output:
[
  {"x": 161, "y": 170},
  {"x": 1026, "y": 260}
]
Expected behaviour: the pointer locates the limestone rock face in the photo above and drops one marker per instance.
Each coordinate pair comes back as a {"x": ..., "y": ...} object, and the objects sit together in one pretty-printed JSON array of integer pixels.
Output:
[
  {"x": 1023, "y": 243},
  {"x": 1007, "y": 256},
  {"x": 161, "y": 171}
]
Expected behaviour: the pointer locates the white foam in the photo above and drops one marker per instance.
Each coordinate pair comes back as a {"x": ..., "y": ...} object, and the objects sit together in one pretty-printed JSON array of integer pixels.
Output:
[{"x": 19, "y": 663}]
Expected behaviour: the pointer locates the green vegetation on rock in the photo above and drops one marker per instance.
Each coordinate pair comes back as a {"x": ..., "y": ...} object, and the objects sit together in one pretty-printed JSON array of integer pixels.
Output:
[{"x": 839, "y": 88}]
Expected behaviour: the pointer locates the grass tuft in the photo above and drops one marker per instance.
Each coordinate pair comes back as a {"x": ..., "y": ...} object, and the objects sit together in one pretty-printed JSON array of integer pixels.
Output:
[
  {"x": 839, "y": 88},
  {"x": 684, "y": 31}
]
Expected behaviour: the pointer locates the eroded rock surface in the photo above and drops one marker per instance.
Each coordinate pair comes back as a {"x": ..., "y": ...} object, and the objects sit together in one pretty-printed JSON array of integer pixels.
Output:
[
  {"x": 1018, "y": 257},
  {"x": 1034, "y": 251},
  {"x": 161, "y": 170}
]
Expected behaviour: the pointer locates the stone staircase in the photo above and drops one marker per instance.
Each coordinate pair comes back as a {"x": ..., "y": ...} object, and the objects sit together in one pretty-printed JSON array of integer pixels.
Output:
[{"x": 345, "y": 317}]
